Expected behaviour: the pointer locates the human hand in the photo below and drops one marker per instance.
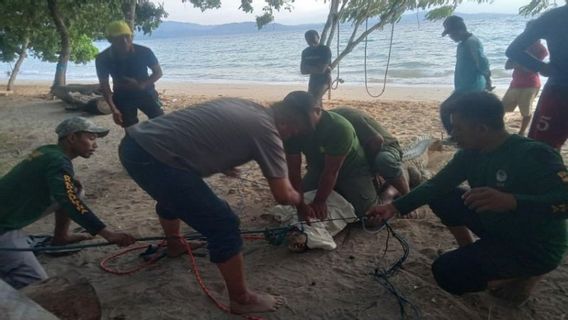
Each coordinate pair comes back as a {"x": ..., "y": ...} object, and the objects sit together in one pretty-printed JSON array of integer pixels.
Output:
[
  {"x": 489, "y": 199},
  {"x": 319, "y": 209},
  {"x": 378, "y": 214},
  {"x": 121, "y": 239},
  {"x": 117, "y": 117},
  {"x": 71, "y": 238},
  {"x": 233, "y": 172},
  {"x": 305, "y": 212}
]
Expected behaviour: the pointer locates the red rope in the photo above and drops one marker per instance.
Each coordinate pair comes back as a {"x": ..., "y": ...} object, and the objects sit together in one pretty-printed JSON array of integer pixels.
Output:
[
  {"x": 103, "y": 263},
  {"x": 191, "y": 257}
]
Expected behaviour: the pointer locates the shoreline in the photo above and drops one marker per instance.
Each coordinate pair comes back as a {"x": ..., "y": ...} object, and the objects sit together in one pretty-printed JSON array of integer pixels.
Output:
[{"x": 271, "y": 91}]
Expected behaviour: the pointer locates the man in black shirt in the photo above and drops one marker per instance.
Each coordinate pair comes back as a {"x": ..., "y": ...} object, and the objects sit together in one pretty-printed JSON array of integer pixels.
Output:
[
  {"x": 316, "y": 61},
  {"x": 128, "y": 64}
]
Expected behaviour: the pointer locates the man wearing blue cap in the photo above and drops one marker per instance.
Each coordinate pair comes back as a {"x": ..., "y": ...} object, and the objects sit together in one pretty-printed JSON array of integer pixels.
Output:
[
  {"x": 472, "y": 73},
  {"x": 133, "y": 87},
  {"x": 44, "y": 183}
]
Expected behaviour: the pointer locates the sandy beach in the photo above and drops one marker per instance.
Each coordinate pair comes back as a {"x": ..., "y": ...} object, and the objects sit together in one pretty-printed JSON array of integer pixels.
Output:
[{"x": 318, "y": 284}]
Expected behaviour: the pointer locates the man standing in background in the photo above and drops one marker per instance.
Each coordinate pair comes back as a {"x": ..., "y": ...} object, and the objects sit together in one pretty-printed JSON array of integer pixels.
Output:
[
  {"x": 128, "y": 64},
  {"x": 316, "y": 61},
  {"x": 525, "y": 85},
  {"x": 551, "y": 115},
  {"x": 472, "y": 73}
]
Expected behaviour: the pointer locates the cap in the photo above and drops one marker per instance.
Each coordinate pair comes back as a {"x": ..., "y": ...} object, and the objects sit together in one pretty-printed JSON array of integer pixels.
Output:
[
  {"x": 79, "y": 124},
  {"x": 118, "y": 28},
  {"x": 453, "y": 23}
]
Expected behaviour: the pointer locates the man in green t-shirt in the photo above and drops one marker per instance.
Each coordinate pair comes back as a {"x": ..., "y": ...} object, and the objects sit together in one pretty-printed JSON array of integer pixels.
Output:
[
  {"x": 516, "y": 203},
  {"x": 381, "y": 148},
  {"x": 335, "y": 160},
  {"x": 44, "y": 183}
]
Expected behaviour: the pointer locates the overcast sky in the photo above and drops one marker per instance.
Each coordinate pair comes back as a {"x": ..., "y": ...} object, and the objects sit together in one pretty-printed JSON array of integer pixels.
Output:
[{"x": 305, "y": 11}]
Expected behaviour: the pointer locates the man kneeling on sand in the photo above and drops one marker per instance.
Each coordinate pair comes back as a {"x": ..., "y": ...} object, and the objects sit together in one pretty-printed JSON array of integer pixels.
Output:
[
  {"x": 335, "y": 160},
  {"x": 516, "y": 204},
  {"x": 44, "y": 183},
  {"x": 168, "y": 157}
]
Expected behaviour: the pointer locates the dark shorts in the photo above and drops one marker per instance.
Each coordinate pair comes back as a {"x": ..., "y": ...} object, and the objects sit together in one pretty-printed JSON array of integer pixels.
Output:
[
  {"x": 470, "y": 268},
  {"x": 148, "y": 103},
  {"x": 319, "y": 84},
  {"x": 550, "y": 121},
  {"x": 388, "y": 163},
  {"x": 182, "y": 194}
]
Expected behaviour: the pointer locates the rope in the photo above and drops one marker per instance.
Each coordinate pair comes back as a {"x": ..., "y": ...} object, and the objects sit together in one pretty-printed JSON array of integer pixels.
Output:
[
  {"x": 387, "y": 66},
  {"x": 103, "y": 263},
  {"x": 382, "y": 275},
  {"x": 335, "y": 83}
]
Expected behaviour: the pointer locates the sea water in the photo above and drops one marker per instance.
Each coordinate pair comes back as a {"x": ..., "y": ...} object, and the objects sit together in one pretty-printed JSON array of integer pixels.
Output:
[{"x": 420, "y": 55}]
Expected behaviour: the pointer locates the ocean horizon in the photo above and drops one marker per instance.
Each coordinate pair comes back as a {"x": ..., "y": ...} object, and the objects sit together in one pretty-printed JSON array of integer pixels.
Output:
[{"x": 420, "y": 55}]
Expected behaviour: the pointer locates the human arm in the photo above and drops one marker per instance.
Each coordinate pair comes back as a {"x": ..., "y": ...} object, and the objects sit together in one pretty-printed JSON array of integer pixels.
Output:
[
  {"x": 448, "y": 178},
  {"x": 283, "y": 192},
  {"x": 517, "y": 50},
  {"x": 547, "y": 178},
  {"x": 103, "y": 74},
  {"x": 328, "y": 178},
  {"x": 63, "y": 188},
  {"x": 294, "y": 162}
]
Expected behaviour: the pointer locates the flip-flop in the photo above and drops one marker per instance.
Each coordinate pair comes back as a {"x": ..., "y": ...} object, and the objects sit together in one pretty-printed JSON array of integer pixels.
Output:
[
  {"x": 42, "y": 241},
  {"x": 154, "y": 253}
]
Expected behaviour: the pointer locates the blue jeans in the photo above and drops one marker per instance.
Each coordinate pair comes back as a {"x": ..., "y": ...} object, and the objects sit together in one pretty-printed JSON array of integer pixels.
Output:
[{"x": 182, "y": 194}]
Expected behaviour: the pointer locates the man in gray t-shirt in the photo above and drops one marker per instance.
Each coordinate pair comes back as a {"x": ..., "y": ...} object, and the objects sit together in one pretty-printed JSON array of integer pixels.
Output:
[{"x": 168, "y": 157}]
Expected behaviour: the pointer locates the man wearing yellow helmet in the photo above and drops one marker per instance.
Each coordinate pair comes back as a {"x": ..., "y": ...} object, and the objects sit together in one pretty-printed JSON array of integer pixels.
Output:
[{"x": 133, "y": 88}]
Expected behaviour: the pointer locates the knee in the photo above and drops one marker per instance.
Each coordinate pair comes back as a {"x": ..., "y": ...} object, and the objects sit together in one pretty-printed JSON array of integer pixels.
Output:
[
  {"x": 446, "y": 276},
  {"x": 224, "y": 237}
]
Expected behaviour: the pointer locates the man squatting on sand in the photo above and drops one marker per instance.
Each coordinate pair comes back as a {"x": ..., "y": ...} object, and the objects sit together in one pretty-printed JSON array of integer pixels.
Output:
[
  {"x": 169, "y": 156},
  {"x": 516, "y": 208},
  {"x": 44, "y": 183}
]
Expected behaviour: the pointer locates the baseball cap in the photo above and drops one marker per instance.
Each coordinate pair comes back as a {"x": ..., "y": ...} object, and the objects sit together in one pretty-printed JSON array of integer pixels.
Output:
[
  {"x": 118, "y": 28},
  {"x": 79, "y": 124},
  {"x": 453, "y": 23}
]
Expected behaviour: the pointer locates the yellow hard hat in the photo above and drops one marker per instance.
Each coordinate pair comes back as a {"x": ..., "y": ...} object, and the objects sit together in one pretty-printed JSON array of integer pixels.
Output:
[{"x": 118, "y": 28}]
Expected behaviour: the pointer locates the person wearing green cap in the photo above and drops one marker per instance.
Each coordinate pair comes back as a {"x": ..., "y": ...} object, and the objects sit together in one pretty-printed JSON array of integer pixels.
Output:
[
  {"x": 44, "y": 183},
  {"x": 133, "y": 88}
]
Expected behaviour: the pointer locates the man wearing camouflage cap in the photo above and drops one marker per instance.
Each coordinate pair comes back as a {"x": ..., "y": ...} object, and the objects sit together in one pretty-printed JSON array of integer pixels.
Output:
[
  {"x": 128, "y": 64},
  {"x": 44, "y": 183}
]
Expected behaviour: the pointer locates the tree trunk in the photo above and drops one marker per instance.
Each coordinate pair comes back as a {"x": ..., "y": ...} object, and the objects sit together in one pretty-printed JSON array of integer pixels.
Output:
[
  {"x": 65, "y": 44},
  {"x": 21, "y": 57},
  {"x": 129, "y": 11}
]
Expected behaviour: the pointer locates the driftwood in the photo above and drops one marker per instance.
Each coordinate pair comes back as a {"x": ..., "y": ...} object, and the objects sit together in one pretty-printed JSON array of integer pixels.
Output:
[
  {"x": 14, "y": 305},
  {"x": 68, "y": 300},
  {"x": 83, "y": 97}
]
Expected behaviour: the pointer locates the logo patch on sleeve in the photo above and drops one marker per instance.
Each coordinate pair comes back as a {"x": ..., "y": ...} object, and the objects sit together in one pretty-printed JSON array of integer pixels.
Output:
[{"x": 564, "y": 176}]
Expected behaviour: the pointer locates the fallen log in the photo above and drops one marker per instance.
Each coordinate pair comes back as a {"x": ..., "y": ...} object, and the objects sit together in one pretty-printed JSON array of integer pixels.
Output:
[
  {"x": 68, "y": 300},
  {"x": 82, "y": 97},
  {"x": 14, "y": 305}
]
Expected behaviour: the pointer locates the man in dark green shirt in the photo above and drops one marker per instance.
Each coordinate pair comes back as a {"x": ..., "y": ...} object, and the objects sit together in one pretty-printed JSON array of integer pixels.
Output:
[
  {"x": 381, "y": 148},
  {"x": 41, "y": 184},
  {"x": 516, "y": 203},
  {"x": 335, "y": 161}
]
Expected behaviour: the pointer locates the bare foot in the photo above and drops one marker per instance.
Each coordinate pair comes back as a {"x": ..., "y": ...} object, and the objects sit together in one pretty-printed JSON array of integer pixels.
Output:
[
  {"x": 258, "y": 303},
  {"x": 413, "y": 215},
  {"x": 176, "y": 247}
]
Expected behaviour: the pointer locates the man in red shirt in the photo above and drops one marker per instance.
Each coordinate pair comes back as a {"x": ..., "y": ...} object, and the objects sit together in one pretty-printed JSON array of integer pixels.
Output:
[{"x": 525, "y": 86}]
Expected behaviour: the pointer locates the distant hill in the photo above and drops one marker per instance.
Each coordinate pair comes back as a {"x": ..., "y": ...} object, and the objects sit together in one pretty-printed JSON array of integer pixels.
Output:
[{"x": 174, "y": 29}]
